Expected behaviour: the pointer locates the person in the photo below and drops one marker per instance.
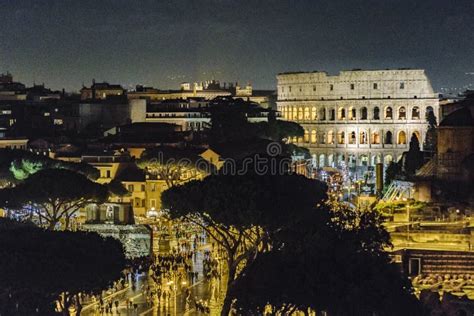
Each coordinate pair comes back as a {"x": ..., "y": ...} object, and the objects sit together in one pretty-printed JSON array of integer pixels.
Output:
[{"x": 116, "y": 305}]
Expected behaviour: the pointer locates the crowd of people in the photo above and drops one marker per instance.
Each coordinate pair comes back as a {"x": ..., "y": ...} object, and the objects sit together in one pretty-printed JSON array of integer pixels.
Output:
[{"x": 169, "y": 277}]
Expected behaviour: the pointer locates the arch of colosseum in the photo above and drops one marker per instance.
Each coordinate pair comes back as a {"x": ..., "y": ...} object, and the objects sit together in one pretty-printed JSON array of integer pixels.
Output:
[{"x": 360, "y": 117}]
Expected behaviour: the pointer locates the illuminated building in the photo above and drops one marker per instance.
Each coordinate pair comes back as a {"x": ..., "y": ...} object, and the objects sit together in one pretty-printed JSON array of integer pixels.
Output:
[
  {"x": 191, "y": 114},
  {"x": 11, "y": 90},
  {"x": 360, "y": 117},
  {"x": 101, "y": 90},
  {"x": 206, "y": 90},
  {"x": 13, "y": 143}
]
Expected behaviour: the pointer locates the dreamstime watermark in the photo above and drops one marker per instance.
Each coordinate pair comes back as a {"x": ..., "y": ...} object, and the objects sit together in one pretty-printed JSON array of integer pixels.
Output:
[{"x": 270, "y": 162}]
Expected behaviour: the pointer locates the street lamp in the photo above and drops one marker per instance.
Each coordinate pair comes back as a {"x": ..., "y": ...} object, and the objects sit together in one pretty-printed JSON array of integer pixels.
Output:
[{"x": 408, "y": 219}]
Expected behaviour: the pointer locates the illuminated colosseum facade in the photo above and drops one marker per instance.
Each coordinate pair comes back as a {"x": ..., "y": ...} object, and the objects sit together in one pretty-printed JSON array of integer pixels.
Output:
[{"x": 360, "y": 117}]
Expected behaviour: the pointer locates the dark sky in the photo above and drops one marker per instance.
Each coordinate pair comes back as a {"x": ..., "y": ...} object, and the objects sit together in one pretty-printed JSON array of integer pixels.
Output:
[{"x": 164, "y": 42}]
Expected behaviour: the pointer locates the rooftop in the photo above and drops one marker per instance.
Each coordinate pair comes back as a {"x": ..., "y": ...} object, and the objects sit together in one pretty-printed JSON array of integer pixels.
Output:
[
  {"x": 350, "y": 70},
  {"x": 458, "y": 118}
]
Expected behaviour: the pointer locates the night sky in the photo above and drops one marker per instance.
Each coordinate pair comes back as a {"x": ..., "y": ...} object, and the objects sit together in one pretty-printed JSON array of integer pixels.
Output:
[{"x": 164, "y": 42}]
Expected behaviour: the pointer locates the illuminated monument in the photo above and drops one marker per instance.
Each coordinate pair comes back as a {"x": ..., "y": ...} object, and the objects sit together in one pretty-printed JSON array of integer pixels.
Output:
[{"x": 360, "y": 117}]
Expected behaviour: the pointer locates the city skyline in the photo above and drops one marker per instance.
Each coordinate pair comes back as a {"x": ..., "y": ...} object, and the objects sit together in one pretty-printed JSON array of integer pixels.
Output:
[{"x": 163, "y": 44}]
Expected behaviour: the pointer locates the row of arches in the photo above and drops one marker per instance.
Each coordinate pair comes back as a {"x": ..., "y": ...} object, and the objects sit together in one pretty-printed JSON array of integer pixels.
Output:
[
  {"x": 352, "y": 138},
  {"x": 311, "y": 113},
  {"x": 353, "y": 160}
]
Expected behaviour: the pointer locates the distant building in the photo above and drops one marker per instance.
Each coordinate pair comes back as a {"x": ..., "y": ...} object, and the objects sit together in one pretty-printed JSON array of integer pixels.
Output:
[
  {"x": 144, "y": 189},
  {"x": 449, "y": 105},
  {"x": 40, "y": 93},
  {"x": 206, "y": 90},
  {"x": 13, "y": 143},
  {"x": 450, "y": 173},
  {"x": 101, "y": 91},
  {"x": 192, "y": 114},
  {"x": 11, "y": 90},
  {"x": 360, "y": 117},
  {"x": 54, "y": 117}
]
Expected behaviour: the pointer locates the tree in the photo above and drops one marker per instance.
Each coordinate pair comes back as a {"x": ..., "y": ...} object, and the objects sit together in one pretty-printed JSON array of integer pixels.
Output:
[
  {"x": 414, "y": 157},
  {"x": 17, "y": 165},
  {"x": 431, "y": 135},
  {"x": 392, "y": 172},
  {"x": 37, "y": 266},
  {"x": 331, "y": 261},
  {"x": 53, "y": 195},
  {"x": 229, "y": 121},
  {"x": 116, "y": 188},
  {"x": 173, "y": 165},
  {"x": 241, "y": 213},
  {"x": 279, "y": 130}
]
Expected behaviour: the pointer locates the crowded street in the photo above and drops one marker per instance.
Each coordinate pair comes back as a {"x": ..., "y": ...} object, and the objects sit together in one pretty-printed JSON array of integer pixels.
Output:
[{"x": 182, "y": 278}]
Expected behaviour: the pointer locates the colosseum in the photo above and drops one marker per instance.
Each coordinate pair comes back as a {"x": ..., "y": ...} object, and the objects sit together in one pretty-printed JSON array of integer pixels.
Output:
[{"x": 361, "y": 117}]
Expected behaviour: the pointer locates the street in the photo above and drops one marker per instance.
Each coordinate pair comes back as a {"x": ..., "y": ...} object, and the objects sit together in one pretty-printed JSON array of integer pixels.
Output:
[{"x": 137, "y": 300}]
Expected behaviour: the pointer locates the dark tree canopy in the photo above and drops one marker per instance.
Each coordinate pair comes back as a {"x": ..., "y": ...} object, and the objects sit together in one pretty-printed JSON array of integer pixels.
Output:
[
  {"x": 331, "y": 261},
  {"x": 242, "y": 213},
  {"x": 246, "y": 200},
  {"x": 431, "y": 134},
  {"x": 278, "y": 130},
  {"x": 392, "y": 172},
  {"x": 230, "y": 125},
  {"x": 38, "y": 265},
  {"x": 18, "y": 165},
  {"x": 229, "y": 121},
  {"x": 414, "y": 157},
  {"x": 53, "y": 195},
  {"x": 115, "y": 187}
]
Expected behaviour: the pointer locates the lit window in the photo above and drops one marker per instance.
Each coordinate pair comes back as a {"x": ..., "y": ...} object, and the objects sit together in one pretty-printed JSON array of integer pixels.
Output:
[{"x": 58, "y": 122}]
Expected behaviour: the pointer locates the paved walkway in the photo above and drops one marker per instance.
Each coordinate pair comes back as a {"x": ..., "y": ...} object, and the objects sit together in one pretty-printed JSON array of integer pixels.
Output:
[{"x": 174, "y": 305}]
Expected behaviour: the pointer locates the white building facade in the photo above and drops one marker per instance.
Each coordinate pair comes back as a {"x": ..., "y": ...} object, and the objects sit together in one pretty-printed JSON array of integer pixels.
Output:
[{"x": 361, "y": 117}]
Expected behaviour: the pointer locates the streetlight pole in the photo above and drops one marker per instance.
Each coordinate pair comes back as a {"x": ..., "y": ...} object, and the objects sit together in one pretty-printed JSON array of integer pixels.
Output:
[{"x": 408, "y": 227}]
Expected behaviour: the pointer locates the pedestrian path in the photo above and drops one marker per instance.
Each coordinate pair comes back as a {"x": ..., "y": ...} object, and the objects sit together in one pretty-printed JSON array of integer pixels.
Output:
[{"x": 172, "y": 305}]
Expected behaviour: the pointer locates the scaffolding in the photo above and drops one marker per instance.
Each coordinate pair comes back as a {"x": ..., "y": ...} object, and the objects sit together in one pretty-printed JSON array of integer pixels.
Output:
[{"x": 399, "y": 190}]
